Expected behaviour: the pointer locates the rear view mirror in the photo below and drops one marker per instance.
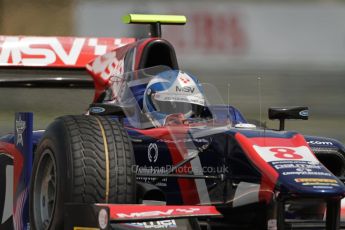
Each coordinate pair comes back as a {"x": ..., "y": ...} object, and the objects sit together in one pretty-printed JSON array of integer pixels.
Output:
[{"x": 283, "y": 113}]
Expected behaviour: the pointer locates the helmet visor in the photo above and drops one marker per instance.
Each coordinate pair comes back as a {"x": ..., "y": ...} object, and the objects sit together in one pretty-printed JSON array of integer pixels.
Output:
[{"x": 171, "y": 107}]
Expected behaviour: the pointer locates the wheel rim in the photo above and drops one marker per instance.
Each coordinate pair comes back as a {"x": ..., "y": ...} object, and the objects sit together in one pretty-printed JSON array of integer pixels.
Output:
[{"x": 45, "y": 190}]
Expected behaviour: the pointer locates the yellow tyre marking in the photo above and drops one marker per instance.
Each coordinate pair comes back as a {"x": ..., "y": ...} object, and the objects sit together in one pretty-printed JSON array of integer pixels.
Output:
[{"x": 107, "y": 167}]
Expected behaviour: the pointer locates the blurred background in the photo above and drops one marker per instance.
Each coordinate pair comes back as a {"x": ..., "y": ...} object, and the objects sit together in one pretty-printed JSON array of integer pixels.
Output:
[{"x": 258, "y": 53}]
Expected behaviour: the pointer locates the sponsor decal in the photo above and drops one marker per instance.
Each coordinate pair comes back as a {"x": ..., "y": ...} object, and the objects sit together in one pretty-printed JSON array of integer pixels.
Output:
[
  {"x": 320, "y": 143},
  {"x": 169, "y": 212},
  {"x": 317, "y": 181},
  {"x": 161, "y": 224},
  {"x": 39, "y": 51},
  {"x": 145, "y": 214},
  {"x": 152, "y": 152},
  {"x": 182, "y": 91},
  {"x": 298, "y": 166},
  {"x": 97, "y": 110},
  {"x": 303, "y": 169},
  {"x": 188, "y": 210},
  {"x": 54, "y": 51},
  {"x": 304, "y": 113},
  {"x": 321, "y": 180},
  {"x": 20, "y": 128},
  {"x": 185, "y": 89},
  {"x": 84, "y": 228},
  {"x": 307, "y": 173},
  {"x": 108, "y": 65},
  {"x": 287, "y": 168},
  {"x": 184, "y": 78},
  {"x": 135, "y": 213},
  {"x": 196, "y": 98},
  {"x": 323, "y": 187}
]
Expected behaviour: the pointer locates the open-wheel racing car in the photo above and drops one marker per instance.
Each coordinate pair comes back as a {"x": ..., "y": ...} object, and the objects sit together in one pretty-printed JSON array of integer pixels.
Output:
[{"x": 158, "y": 149}]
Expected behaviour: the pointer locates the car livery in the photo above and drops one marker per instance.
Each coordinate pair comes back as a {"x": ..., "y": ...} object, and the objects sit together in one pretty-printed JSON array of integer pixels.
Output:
[{"x": 198, "y": 169}]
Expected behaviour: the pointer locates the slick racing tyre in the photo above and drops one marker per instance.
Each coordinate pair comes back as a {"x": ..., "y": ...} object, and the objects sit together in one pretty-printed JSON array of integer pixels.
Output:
[{"x": 82, "y": 159}]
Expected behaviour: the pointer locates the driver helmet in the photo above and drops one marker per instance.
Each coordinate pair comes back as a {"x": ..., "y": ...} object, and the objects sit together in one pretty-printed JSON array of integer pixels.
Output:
[{"x": 172, "y": 92}]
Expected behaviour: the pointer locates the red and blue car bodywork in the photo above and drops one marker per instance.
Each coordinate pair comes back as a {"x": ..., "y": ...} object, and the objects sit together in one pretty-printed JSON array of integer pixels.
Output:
[{"x": 235, "y": 169}]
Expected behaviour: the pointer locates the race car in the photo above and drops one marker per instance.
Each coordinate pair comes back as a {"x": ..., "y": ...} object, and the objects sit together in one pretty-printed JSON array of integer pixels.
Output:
[{"x": 157, "y": 149}]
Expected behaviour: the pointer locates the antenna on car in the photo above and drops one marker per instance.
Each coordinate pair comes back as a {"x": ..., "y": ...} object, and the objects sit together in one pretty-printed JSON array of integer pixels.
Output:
[
  {"x": 260, "y": 99},
  {"x": 228, "y": 102},
  {"x": 155, "y": 21}
]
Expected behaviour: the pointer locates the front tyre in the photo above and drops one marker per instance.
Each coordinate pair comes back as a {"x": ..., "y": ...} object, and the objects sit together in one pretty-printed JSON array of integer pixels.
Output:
[{"x": 81, "y": 159}]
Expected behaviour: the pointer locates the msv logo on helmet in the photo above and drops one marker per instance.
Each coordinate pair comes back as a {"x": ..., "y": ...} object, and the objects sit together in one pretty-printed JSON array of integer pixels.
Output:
[{"x": 185, "y": 89}]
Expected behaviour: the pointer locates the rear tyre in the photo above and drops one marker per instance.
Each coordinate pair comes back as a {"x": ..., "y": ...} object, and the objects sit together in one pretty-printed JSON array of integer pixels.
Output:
[{"x": 82, "y": 159}]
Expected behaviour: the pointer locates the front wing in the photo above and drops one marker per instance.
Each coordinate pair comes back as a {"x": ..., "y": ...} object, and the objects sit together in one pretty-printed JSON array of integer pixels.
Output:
[{"x": 123, "y": 216}]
